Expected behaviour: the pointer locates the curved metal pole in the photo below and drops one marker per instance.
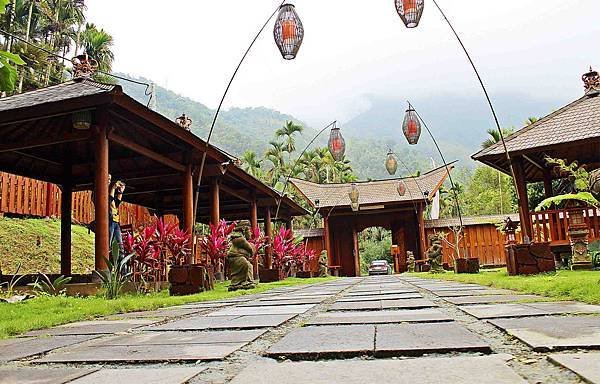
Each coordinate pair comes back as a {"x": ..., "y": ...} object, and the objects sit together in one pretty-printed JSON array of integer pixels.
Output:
[
  {"x": 287, "y": 179},
  {"x": 449, "y": 175},
  {"x": 487, "y": 96},
  {"x": 212, "y": 126}
]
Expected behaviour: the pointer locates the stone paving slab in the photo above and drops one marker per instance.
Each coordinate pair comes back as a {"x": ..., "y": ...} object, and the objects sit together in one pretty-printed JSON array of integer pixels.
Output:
[
  {"x": 491, "y": 311},
  {"x": 267, "y": 303},
  {"x": 441, "y": 288},
  {"x": 14, "y": 349},
  {"x": 382, "y": 304},
  {"x": 167, "y": 375},
  {"x": 28, "y": 375},
  {"x": 419, "y": 339},
  {"x": 398, "y": 296},
  {"x": 586, "y": 365},
  {"x": 327, "y": 341},
  {"x": 141, "y": 353},
  {"x": 380, "y": 292},
  {"x": 484, "y": 299},
  {"x": 380, "y": 317},
  {"x": 456, "y": 370},
  {"x": 180, "y": 338},
  {"x": 268, "y": 310},
  {"x": 223, "y": 322},
  {"x": 554, "y": 332},
  {"x": 157, "y": 314},
  {"x": 93, "y": 327},
  {"x": 474, "y": 292}
]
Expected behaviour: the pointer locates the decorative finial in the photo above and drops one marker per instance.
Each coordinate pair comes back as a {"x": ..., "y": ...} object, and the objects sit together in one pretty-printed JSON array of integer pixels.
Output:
[
  {"x": 83, "y": 66},
  {"x": 184, "y": 122},
  {"x": 591, "y": 82}
]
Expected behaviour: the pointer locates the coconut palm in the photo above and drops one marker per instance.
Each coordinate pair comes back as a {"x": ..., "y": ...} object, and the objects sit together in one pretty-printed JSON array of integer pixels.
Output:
[
  {"x": 495, "y": 136},
  {"x": 251, "y": 164},
  {"x": 97, "y": 44},
  {"x": 288, "y": 131}
]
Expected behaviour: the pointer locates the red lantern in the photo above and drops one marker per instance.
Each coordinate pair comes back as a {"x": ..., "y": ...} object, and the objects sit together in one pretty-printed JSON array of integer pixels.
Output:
[
  {"x": 401, "y": 188},
  {"x": 411, "y": 126},
  {"x": 410, "y": 11},
  {"x": 288, "y": 31},
  {"x": 336, "y": 144}
]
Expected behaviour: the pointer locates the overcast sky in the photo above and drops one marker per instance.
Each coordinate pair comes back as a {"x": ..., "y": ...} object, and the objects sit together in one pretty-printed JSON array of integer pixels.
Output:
[{"x": 353, "y": 49}]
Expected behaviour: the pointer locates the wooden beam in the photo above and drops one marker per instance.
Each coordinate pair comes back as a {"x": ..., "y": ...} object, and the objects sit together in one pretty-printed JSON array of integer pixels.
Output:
[
  {"x": 535, "y": 163},
  {"x": 146, "y": 152},
  {"x": 327, "y": 236},
  {"x": 421, "y": 225},
  {"x": 269, "y": 234},
  {"x": 523, "y": 198},
  {"x": 215, "y": 213},
  {"x": 44, "y": 142},
  {"x": 239, "y": 194},
  {"x": 101, "y": 197},
  {"x": 65, "y": 228},
  {"x": 548, "y": 192},
  {"x": 188, "y": 201}
]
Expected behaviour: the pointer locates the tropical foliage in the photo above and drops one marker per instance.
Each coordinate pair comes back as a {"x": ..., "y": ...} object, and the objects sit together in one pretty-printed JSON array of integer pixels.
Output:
[
  {"x": 59, "y": 29},
  {"x": 216, "y": 243},
  {"x": 44, "y": 286}
]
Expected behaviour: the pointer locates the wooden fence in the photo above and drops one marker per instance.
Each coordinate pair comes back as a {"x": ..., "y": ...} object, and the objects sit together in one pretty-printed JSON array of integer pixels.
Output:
[
  {"x": 552, "y": 225},
  {"x": 29, "y": 197}
]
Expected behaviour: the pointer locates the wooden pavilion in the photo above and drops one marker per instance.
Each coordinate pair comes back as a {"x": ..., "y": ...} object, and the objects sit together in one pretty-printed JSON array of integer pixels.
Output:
[
  {"x": 45, "y": 136},
  {"x": 572, "y": 133},
  {"x": 380, "y": 205}
]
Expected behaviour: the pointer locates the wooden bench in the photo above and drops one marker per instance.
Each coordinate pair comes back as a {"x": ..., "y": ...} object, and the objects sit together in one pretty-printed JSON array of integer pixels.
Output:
[
  {"x": 334, "y": 270},
  {"x": 422, "y": 265}
]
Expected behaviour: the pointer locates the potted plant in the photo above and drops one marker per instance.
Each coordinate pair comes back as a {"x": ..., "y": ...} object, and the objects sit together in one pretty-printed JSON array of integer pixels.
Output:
[
  {"x": 576, "y": 196},
  {"x": 215, "y": 245},
  {"x": 283, "y": 246},
  {"x": 304, "y": 257},
  {"x": 259, "y": 241}
]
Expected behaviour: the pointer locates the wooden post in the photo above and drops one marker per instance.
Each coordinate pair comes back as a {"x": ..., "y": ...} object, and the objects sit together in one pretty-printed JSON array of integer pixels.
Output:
[
  {"x": 254, "y": 224},
  {"x": 215, "y": 212},
  {"x": 422, "y": 238},
  {"x": 523, "y": 199},
  {"x": 548, "y": 192},
  {"x": 269, "y": 234},
  {"x": 65, "y": 228},
  {"x": 327, "y": 239},
  {"x": 356, "y": 252},
  {"x": 188, "y": 207},
  {"x": 101, "y": 198}
]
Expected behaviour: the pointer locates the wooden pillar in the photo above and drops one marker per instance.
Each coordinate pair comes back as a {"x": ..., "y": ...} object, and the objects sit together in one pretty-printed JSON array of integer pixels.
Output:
[
  {"x": 356, "y": 252},
  {"x": 65, "y": 228},
  {"x": 254, "y": 224},
  {"x": 101, "y": 197},
  {"x": 269, "y": 234},
  {"x": 523, "y": 199},
  {"x": 215, "y": 211},
  {"x": 327, "y": 239},
  {"x": 548, "y": 192},
  {"x": 188, "y": 200},
  {"x": 421, "y": 229}
]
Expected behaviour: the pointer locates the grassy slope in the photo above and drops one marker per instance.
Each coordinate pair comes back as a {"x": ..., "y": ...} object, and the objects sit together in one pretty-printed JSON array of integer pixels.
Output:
[
  {"x": 19, "y": 243},
  {"x": 564, "y": 285},
  {"x": 44, "y": 312}
]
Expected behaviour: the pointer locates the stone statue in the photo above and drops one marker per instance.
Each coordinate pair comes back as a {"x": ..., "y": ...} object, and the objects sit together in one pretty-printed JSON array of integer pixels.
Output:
[
  {"x": 323, "y": 261},
  {"x": 434, "y": 253},
  {"x": 239, "y": 258},
  {"x": 410, "y": 261}
]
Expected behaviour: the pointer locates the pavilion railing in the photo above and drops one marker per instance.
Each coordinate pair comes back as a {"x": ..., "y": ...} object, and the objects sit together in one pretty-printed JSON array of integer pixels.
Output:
[{"x": 552, "y": 225}]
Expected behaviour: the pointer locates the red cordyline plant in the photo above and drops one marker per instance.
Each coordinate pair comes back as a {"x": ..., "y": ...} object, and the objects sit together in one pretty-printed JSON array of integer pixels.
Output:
[
  {"x": 259, "y": 241},
  {"x": 216, "y": 243},
  {"x": 283, "y": 249},
  {"x": 303, "y": 256}
]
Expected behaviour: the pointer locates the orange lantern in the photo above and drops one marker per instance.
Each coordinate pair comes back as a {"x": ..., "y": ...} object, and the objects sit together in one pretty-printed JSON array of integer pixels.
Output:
[
  {"x": 410, "y": 11},
  {"x": 288, "y": 31}
]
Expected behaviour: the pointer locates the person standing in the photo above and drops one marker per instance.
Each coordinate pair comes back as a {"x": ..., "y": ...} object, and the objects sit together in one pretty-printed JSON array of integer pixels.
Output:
[{"x": 115, "y": 197}]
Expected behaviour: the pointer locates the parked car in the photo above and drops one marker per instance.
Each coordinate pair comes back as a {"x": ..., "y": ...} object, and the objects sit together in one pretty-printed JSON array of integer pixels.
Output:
[{"x": 379, "y": 267}]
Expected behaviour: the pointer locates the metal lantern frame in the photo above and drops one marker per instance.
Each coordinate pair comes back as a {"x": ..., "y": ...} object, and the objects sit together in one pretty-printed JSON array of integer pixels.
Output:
[
  {"x": 411, "y": 126},
  {"x": 391, "y": 164},
  {"x": 82, "y": 120},
  {"x": 288, "y": 31},
  {"x": 336, "y": 144},
  {"x": 410, "y": 11},
  {"x": 354, "y": 194}
]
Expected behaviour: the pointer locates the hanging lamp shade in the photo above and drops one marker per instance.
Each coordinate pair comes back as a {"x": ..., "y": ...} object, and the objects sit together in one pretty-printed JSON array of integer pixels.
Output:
[
  {"x": 411, "y": 126},
  {"x": 336, "y": 144},
  {"x": 391, "y": 164},
  {"x": 288, "y": 31},
  {"x": 401, "y": 188},
  {"x": 353, "y": 194},
  {"x": 82, "y": 120},
  {"x": 410, "y": 11}
]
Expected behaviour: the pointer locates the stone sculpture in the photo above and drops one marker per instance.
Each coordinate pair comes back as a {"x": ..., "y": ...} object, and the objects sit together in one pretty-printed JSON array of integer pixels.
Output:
[
  {"x": 410, "y": 261},
  {"x": 434, "y": 253},
  {"x": 239, "y": 258},
  {"x": 323, "y": 261}
]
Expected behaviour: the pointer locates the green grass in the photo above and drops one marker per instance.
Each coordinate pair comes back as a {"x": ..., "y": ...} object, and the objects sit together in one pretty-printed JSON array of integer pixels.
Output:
[
  {"x": 36, "y": 244},
  {"x": 44, "y": 312},
  {"x": 581, "y": 286}
]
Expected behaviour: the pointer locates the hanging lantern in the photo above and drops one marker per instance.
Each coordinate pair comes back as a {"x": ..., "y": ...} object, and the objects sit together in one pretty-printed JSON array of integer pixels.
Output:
[
  {"x": 82, "y": 120},
  {"x": 401, "y": 188},
  {"x": 336, "y": 144},
  {"x": 353, "y": 194},
  {"x": 411, "y": 126},
  {"x": 391, "y": 164},
  {"x": 288, "y": 31},
  {"x": 410, "y": 11}
]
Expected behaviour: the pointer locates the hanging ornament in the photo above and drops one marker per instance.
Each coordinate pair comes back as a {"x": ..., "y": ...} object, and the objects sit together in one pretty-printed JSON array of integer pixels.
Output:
[
  {"x": 336, "y": 144},
  {"x": 354, "y": 194},
  {"x": 411, "y": 126},
  {"x": 391, "y": 164},
  {"x": 410, "y": 11},
  {"x": 401, "y": 188},
  {"x": 288, "y": 31}
]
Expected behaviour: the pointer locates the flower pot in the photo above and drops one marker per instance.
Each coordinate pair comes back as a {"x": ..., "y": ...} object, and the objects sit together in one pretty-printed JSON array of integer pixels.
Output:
[
  {"x": 269, "y": 275},
  {"x": 464, "y": 265},
  {"x": 529, "y": 259},
  {"x": 304, "y": 274},
  {"x": 186, "y": 279}
]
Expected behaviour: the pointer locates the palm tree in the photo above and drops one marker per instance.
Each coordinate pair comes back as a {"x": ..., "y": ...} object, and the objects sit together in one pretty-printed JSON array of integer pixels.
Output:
[
  {"x": 288, "y": 131},
  {"x": 495, "y": 136},
  {"x": 530, "y": 120},
  {"x": 251, "y": 164},
  {"x": 97, "y": 44}
]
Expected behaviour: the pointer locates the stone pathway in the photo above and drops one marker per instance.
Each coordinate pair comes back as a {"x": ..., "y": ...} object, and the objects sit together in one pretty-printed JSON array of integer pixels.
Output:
[{"x": 387, "y": 329}]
